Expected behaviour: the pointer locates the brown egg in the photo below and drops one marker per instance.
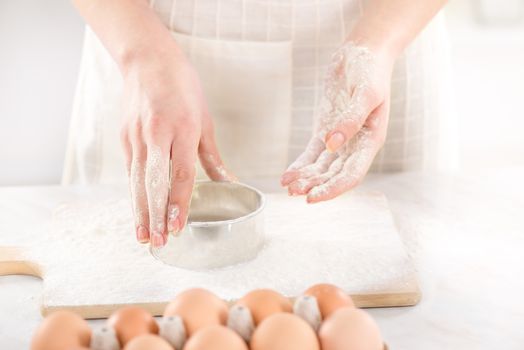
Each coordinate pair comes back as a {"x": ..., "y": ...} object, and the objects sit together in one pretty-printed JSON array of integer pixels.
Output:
[
  {"x": 216, "y": 338},
  {"x": 350, "y": 328},
  {"x": 148, "y": 342},
  {"x": 284, "y": 331},
  {"x": 265, "y": 302},
  {"x": 198, "y": 308},
  {"x": 62, "y": 330},
  {"x": 329, "y": 298},
  {"x": 132, "y": 321}
]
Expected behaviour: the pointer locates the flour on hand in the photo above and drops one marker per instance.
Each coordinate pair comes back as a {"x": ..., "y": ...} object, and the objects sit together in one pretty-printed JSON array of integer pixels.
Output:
[{"x": 347, "y": 102}]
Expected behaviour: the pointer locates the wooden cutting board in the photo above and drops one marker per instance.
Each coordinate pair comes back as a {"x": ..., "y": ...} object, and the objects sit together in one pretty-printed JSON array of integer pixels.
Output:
[{"x": 81, "y": 243}]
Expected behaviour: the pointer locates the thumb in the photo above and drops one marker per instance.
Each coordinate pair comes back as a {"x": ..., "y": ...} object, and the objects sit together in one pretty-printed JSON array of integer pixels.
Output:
[
  {"x": 211, "y": 160},
  {"x": 352, "y": 120}
]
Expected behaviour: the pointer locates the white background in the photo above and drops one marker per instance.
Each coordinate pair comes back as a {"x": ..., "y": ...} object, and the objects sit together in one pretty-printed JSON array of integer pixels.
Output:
[{"x": 40, "y": 46}]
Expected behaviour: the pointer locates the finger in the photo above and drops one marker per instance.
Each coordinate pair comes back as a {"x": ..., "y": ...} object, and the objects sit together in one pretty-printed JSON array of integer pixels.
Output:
[
  {"x": 362, "y": 104},
  {"x": 320, "y": 166},
  {"x": 183, "y": 159},
  {"x": 211, "y": 160},
  {"x": 126, "y": 147},
  {"x": 378, "y": 120},
  {"x": 303, "y": 186},
  {"x": 138, "y": 189},
  {"x": 157, "y": 188},
  {"x": 313, "y": 150},
  {"x": 353, "y": 172}
]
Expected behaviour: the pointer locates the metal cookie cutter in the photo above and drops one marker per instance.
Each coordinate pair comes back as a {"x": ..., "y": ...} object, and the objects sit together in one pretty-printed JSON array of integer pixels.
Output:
[{"x": 225, "y": 227}]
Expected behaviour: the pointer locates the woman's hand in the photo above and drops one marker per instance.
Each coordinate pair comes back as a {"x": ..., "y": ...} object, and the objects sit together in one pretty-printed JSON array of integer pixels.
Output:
[
  {"x": 166, "y": 121},
  {"x": 350, "y": 128},
  {"x": 166, "y": 125}
]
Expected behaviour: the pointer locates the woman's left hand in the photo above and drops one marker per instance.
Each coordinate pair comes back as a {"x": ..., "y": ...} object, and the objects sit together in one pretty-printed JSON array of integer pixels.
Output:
[{"x": 351, "y": 125}]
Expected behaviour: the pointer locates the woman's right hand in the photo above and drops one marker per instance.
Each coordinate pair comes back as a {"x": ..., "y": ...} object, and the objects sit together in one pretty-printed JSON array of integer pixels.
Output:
[{"x": 166, "y": 125}]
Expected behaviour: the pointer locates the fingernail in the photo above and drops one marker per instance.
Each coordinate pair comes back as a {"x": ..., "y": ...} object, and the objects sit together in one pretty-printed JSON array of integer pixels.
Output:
[
  {"x": 335, "y": 141},
  {"x": 142, "y": 234},
  {"x": 172, "y": 216},
  {"x": 157, "y": 240}
]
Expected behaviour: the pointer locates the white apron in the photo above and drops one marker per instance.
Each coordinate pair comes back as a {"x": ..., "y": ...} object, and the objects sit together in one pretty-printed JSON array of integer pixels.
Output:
[{"x": 261, "y": 65}]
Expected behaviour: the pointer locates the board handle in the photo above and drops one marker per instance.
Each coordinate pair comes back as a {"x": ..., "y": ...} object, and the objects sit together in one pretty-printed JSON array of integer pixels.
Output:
[{"x": 16, "y": 261}]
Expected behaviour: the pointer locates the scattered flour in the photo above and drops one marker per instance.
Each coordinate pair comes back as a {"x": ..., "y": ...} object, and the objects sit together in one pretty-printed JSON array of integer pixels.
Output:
[{"x": 90, "y": 256}]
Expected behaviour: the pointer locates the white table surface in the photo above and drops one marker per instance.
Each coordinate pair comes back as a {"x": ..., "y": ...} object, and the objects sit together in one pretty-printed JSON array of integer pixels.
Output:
[{"x": 465, "y": 234}]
